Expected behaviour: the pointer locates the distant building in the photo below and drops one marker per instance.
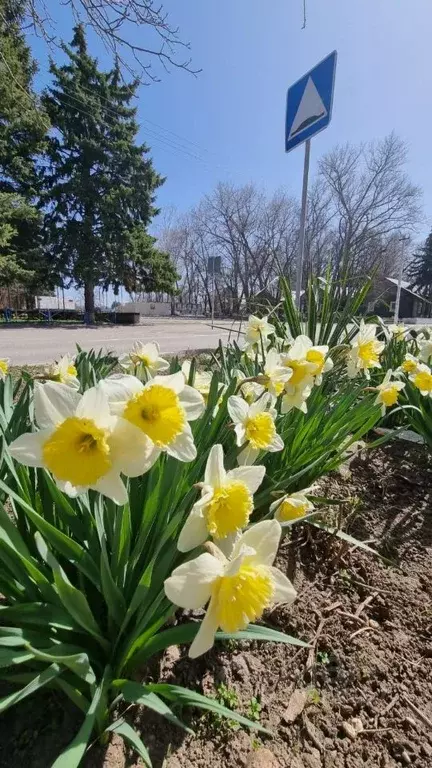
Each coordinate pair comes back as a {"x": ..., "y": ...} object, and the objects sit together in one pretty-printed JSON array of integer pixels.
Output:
[
  {"x": 381, "y": 300},
  {"x": 54, "y": 302},
  {"x": 146, "y": 308}
]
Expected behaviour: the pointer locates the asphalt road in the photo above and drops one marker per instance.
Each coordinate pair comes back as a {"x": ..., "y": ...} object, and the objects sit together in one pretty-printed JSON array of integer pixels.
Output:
[{"x": 30, "y": 346}]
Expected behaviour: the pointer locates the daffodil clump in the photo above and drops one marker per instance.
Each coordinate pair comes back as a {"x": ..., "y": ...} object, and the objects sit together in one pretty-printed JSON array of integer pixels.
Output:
[{"x": 166, "y": 487}]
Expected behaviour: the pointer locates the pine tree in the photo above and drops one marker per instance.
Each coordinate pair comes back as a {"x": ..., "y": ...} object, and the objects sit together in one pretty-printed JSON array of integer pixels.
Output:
[
  {"x": 419, "y": 271},
  {"x": 23, "y": 128},
  {"x": 101, "y": 190}
]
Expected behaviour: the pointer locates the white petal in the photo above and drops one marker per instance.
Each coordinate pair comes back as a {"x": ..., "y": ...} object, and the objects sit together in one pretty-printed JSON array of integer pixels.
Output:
[
  {"x": 215, "y": 474},
  {"x": 261, "y": 404},
  {"x": 54, "y": 402},
  {"x": 183, "y": 447},
  {"x": 112, "y": 486},
  {"x": 190, "y": 585},
  {"x": 277, "y": 444},
  {"x": 204, "y": 639},
  {"x": 264, "y": 538},
  {"x": 27, "y": 449},
  {"x": 194, "y": 531},
  {"x": 284, "y": 592},
  {"x": 94, "y": 405},
  {"x": 120, "y": 388},
  {"x": 192, "y": 402},
  {"x": 247, "y": 456},
  {"x": 70, "y": 490},
  {"x": 174, "y": 381},
  {"x": 240, "y": 434},
  {"x": 132, "y": 452},
  {"x": 238, "y": 409},
  {"x": 252, "y": 477}
]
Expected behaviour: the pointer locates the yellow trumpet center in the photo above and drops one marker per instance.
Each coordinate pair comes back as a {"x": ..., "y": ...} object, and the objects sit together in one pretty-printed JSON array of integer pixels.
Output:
[
  {"x": 316, "y": 357},
  {"x": 78, "y": 452},
  {"x": 300, "y": 369},
  {"x": 390, "y": 395},
  {"x": 143, "y": 359},
  {"x": 157, "y": 412},
  {"x": 367, "y": 353},
  {"x": 229, "y": 509},
  {"x": 72, "y": 371},
  {"x": 289, "y": 510},
  {"x": 260, "y": 430},
  {"x": 409, "y": 366},
  {"x": 423, "y": 381},
  {"x": 243, "y": 597},
  {"x": 4, "y": 367}
]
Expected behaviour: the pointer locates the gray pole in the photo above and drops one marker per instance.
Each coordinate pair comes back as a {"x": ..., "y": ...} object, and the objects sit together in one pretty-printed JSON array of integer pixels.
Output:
[
  {"x": 213, "y": 291},
  {"x": 302, "y": 222},
  {"x": 402, "y": 240}
]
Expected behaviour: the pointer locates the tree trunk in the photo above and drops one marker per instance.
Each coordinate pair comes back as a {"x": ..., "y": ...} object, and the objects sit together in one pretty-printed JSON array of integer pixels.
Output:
[{"x": 89, "y": 305}]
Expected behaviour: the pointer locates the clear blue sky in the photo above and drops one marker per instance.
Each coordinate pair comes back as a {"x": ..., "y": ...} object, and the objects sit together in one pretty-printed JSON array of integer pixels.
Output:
[{"x": 250, "y": 51}]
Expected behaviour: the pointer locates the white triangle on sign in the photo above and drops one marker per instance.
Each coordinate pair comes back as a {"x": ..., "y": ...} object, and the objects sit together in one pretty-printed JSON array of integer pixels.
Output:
[{"x": 310, "y": 110}]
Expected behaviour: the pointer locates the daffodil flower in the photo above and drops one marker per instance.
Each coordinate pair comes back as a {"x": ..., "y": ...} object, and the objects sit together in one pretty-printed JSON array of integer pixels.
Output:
[
  {"x": 238, "y": 590},
  {"x": 226, "y": 503},
  {"x": 388, "y": 392},
  {"x": 425, "y": 350},
  {"x": 365, "y": 351},
  {"x": 398, "y": 331},
  {"x": 202, "y": 380},
  {"x": 276, "y": 372},
  {"x": 160, "y": 409},
  {"x": 249, "y": 390},
  {"x": 422, "y": 379},
  {"x": 292, "y": 506},
  {"x": 410, "y": 364},
  {"x": 254, "y": 426},
  {"x": 257, "y": 329},
  {"x": 4, "y": 368},
  {"x": 81, "y": 443},
  {"x": 295, "y": 397},
  {"x": 302, "y": 369},
  {"x": 145, "y": 356},
  {"x": 63, "y": 372}
]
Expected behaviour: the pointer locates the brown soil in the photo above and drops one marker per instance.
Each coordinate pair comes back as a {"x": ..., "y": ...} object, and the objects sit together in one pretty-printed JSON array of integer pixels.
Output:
[{"x": 361, "y": 696}]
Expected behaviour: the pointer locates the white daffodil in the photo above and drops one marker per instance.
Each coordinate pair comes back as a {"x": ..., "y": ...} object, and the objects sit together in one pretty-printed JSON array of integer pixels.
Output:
[
  {"x": 160, "y": 409},
  {"x": 145, "y": 357},
  {"x": 295, "y": 397},
  {"x": 276, "y": 372},
  {"x": 81, "y": 443},
  {"x": 249, "y": 390},
  {"x": 226, "y": 503},
  {"x": 425, "y": 350},
  {"x": 302, "y": 369},
  {"x": 422, "y": 379},
  {"x": 254, "y": 426},
  {"x": 292, "y": 506},
  {"x": 388, "y": 392},
  {"x": 410, "y": 364},
  {"x": 63, "y": 372},
  {"x": 254, "y": 350},
  {"x": 397, "y": 331},
  {"x": 365, "y": 351},
  {"x": 4, "y": 368},
  {"x": 237, "y": 590},
  {"x": 257, "y": 329}
]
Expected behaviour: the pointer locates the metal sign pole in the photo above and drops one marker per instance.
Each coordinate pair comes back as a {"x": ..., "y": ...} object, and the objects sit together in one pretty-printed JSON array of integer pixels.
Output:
[
  {"x": 302, "y": 223},
  {"x": 402, "y": 240},
  {"x": 213, "y": 291}
]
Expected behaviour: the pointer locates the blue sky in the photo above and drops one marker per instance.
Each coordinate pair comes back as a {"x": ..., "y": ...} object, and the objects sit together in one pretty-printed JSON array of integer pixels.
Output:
[{"x": 250, "y": 51}]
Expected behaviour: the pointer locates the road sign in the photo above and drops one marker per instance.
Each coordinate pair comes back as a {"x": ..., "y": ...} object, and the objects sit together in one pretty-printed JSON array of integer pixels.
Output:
[{"x": 309, "y": 103}]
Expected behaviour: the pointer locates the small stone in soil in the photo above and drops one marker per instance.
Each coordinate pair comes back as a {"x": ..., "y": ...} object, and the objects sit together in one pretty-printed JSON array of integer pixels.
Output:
[
  {"x": 295, "y": 706},
  {"x": 263, "y": 758}
]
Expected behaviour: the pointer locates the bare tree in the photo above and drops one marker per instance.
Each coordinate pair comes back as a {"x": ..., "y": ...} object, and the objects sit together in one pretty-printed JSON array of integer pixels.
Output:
[
  {"x": 372, "y": 199},
  {"x": 113, "y": 21}
]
